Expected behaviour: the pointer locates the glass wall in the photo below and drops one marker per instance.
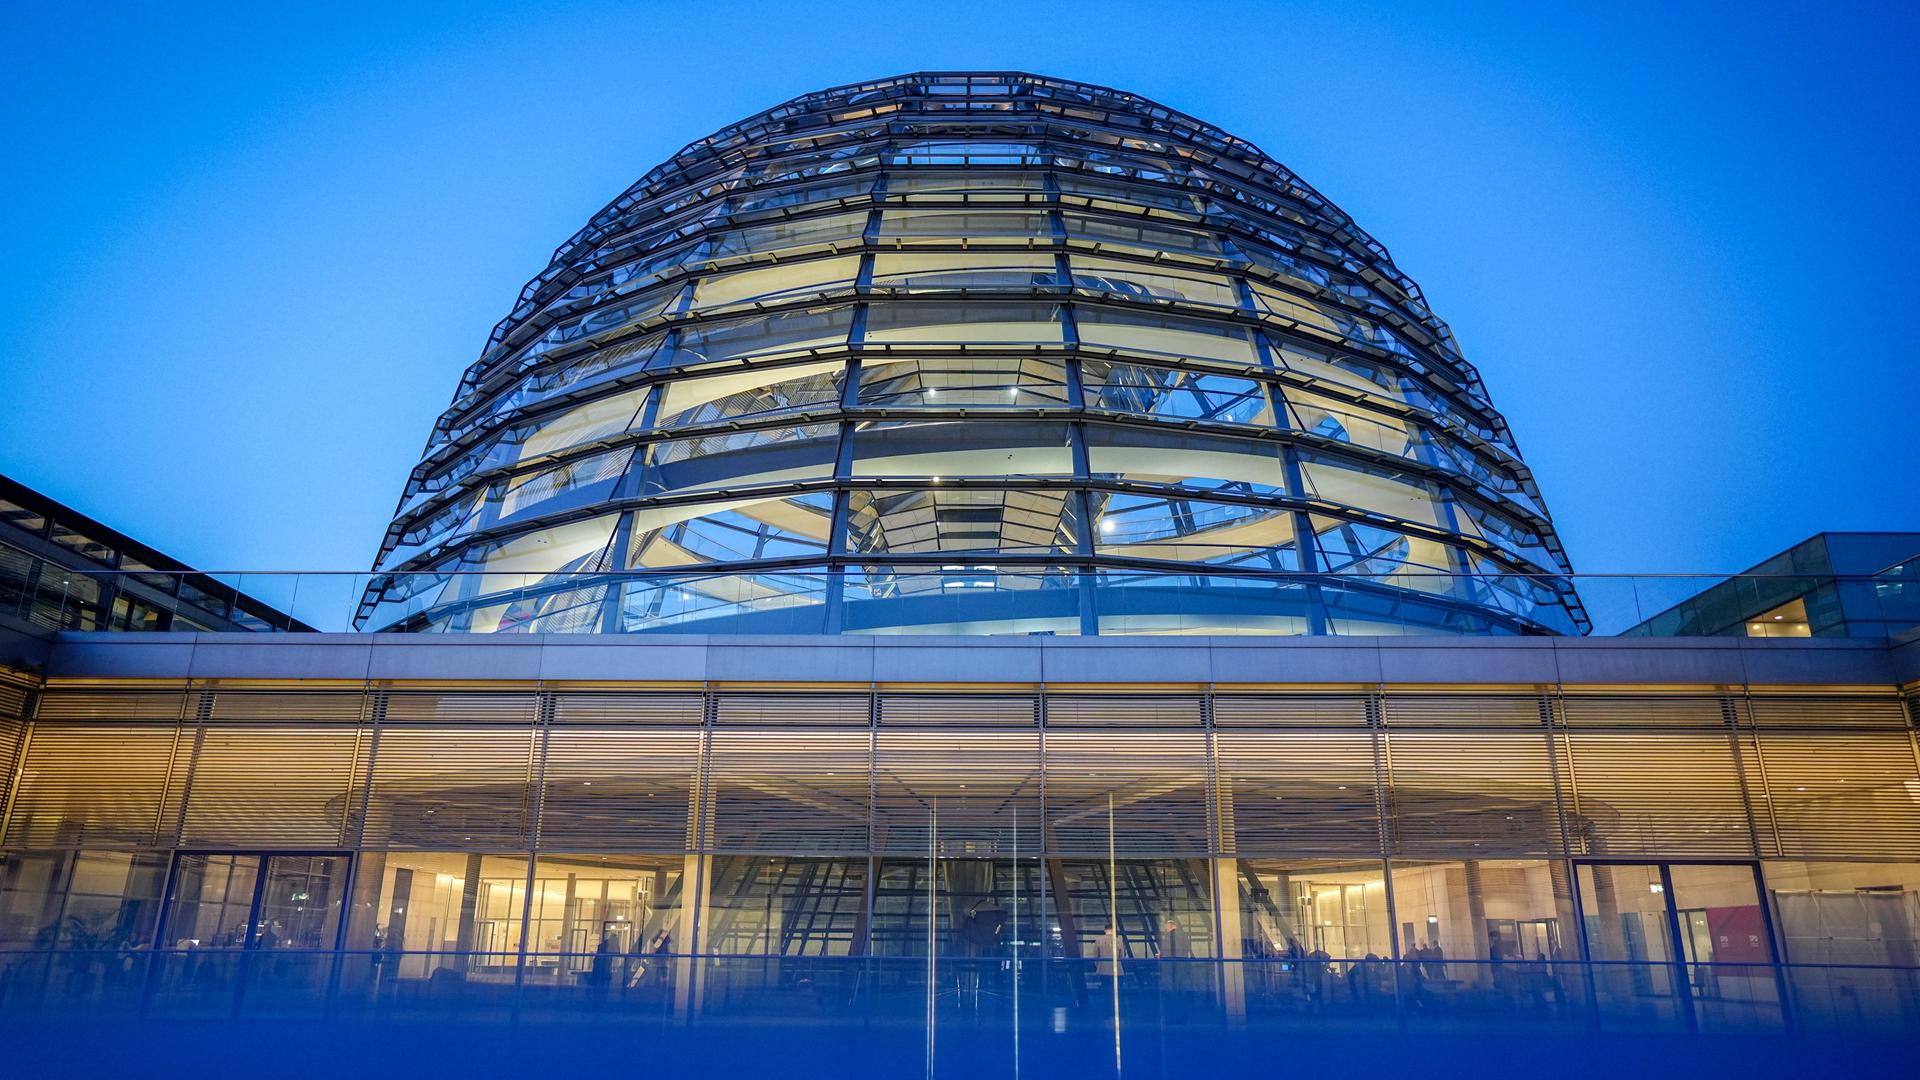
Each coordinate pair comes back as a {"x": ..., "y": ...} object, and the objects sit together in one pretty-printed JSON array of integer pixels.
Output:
[
  {"x": 80, "y": 899},
  {"x": 1052, "y": 330}
]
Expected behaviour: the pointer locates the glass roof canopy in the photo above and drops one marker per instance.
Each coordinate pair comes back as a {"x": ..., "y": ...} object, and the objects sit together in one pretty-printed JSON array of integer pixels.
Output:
[{"x": 971, "y": 353}]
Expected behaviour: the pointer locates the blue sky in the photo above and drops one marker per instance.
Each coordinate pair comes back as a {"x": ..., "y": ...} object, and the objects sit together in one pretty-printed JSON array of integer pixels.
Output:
[{"x": 247, "y": 252}]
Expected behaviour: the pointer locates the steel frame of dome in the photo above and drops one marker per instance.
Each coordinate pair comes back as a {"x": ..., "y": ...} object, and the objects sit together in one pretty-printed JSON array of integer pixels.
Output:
[{"x": 980, "y": 353}]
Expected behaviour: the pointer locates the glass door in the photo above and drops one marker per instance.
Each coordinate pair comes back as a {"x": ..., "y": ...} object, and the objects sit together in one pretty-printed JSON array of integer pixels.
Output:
[
  {"x": 1725, "y": 943},
  {"x": 250, "y": 901},
  {"x": 1630, "y": 941},
  {"x": 1679, "y": 942}
]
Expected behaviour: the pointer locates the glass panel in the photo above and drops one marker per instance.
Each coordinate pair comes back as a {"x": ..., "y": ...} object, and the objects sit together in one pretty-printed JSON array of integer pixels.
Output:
[
  {"x": 575, "y": 546},
  {"x": 1167, "y": 335},
  {"x": 772, "y": 284},
  {"x": 1174, "y": 393},
  {"x": 928, "y": 520},
  {"x": 1625, "y": 910},
  {"x": 212, "y": 902},
  {"x": 1320, "y": 909},
  {"x": 1847, "y": 912},
  {"x": 422, "y": 913},
  {"x": 942, "y": 449},
  {"x": 82, "y": 544},
  {"x": 588, "y": 479},
  {"x": 1157, "y": 602},
  {"x": 301, "y": 906},
  {"x": 961, "y": 382},
  {"x": 1499, "y": 910},
  {"x": 1394, "y": 558},
  {"x": 975, "y": 903},
  {"x": 1347, "y": 371},
  {"x": 1725, "y": 942},
  {"x": 1332, "y": 418},
  {"x": 780, "y": 906},
  {"x": 1096, "y": 229},
  {"x": 1150, "y": 281},
  {"x": 968, "y": 185},
  {"x": 1214, "y": 463},
  {"x": 697, "y": 533},
  {"x": 916, "y": 272},
  {"x": 962, "y": 598},
  {"x": 1863, "y": 915},
  {"x": 1377, "y": 489},
  {"x": 760, "y": 391},
  {"x": 742, "y": 458},
  {"x": 1100, "y": 193},
  {"x": 84, "y": 899},
  {"x": 594, "y": 420},
  {"x": 1190, "y": 530},
  {"x": 759, "y": 240},
  {"x": 943, "y": 226},
  {"x": 1139, "y": 896},
  {"x": 597, "y": 915},
  {"x": 1297, "y": 309},
  {"x": 943, "y": 323},
  {"x": 773, "y": 602},
  {"x": 1787, "y": 620},
  {"x": 786, "y": 332}
]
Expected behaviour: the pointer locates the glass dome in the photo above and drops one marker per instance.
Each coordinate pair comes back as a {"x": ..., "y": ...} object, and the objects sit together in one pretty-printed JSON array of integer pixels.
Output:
[{"x": 971, "y": 353}]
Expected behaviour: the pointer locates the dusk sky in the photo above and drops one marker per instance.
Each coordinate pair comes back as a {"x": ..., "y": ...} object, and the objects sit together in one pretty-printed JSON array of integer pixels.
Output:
[{"x": 246, "y": 256}]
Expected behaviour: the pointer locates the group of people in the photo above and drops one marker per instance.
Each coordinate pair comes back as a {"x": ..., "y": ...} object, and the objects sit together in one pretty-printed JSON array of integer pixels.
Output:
[{"x": 643, "y": 964}]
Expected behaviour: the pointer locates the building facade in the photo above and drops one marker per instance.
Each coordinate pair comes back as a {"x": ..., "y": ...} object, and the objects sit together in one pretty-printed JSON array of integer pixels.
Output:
[
  {"x": 985, "y": 353},
  {"x": 1834, "y": 584},
  {"x": 63, "y": 570},
  {"x": 967, "y": 549},
  {"x": 1717, "y": 829}
]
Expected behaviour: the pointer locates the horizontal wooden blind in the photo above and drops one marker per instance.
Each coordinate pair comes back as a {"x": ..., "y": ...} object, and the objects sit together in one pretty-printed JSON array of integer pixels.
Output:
[
  {"x": 1125, "y": 710},
  {"x": 1841, "y": 792},
  {"x": 322, "y": 706},
  {"x": 1666, "y": 792},
  {"x": 13, "y": 699},
  {"x": 1821, "y": 711},
  {"x": 678, "y": 709},
  {"x": 804, "y": 792},
  {"x": 1287, "y": 710},
  {"x": 442, "y": 787},
  {"x": 1648, "y": 710},
  {"x": 1464, "y": 710},
  {"x": 1157, "y": 783},
  {"x": 13, "y": 734},
  {"x": 618, "y": 788},
  {"x": 63, "y": 704},
  {"x": 461, "y": 707},
  {"x": 981, "y": 784},
  {"x": 92, "y": 784},
  {"x": 959, "y": 710},
  {"x": 1298, "y": 792},
  {"x": 255, "y": 785},
  {"x": 1470, "y": 793},
  {"x": 793, "y": 709}
]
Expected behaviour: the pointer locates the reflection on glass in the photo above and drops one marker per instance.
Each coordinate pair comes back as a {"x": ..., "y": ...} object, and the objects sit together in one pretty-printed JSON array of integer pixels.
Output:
[
  {"x": 929, "y": 520},
  {"x": 1484, "y": 909},
  {"x": 1136, "y": 898},
  {"x": 1317, "y": 908},
  {"x": 771, "y": 905},
  {"x": 422, "y": 913},
  {"x": 80, "y": 899},
  {"x": 888, "y": 381},
  {"x": 591, "y": 913}
]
